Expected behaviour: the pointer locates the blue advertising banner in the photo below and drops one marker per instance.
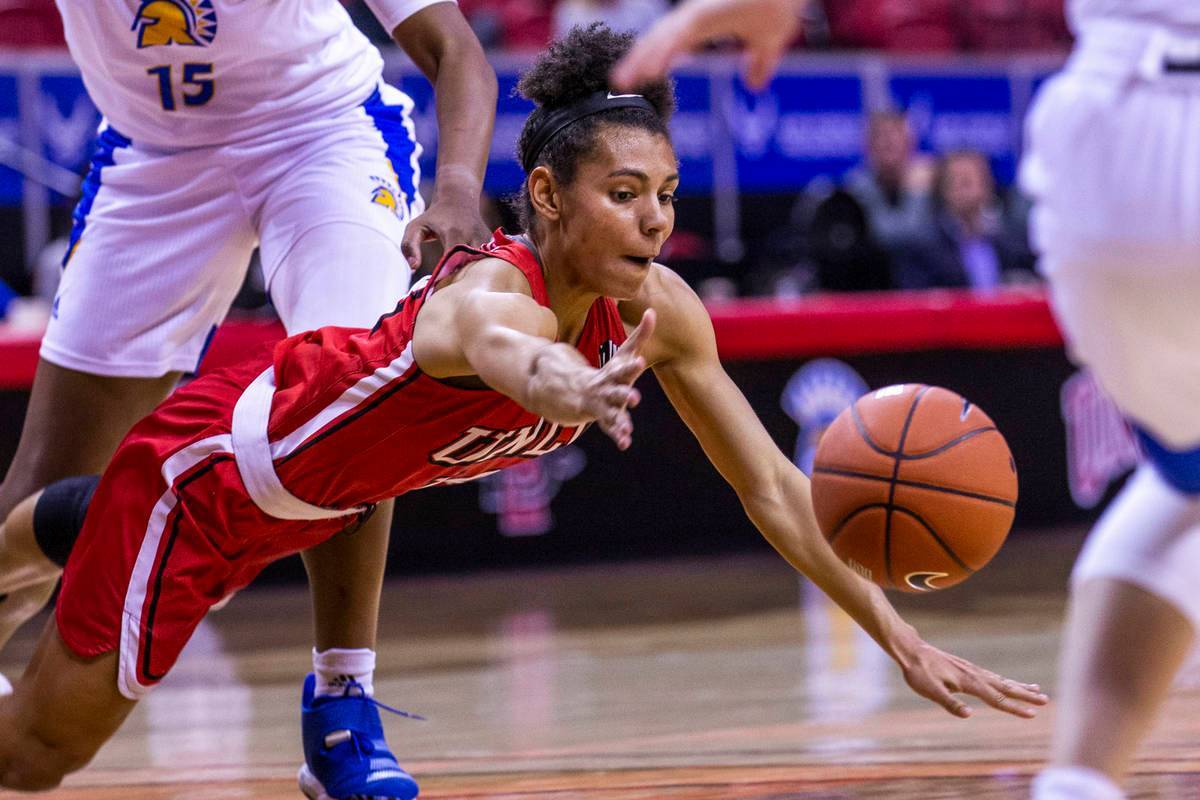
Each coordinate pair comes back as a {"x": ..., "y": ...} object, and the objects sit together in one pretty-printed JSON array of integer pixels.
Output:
[
  {"x": 804, "y": 126},
  {"x": 809, "y": 124},
  {"x": 10, "y": 135},
  {"x": 67, "y": 122},
  {"x": 962, "y": 112}
]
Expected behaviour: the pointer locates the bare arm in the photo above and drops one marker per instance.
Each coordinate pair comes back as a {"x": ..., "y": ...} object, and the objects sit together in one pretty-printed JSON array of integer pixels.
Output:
[
  {"x": 776, "y": 497},
  {"x": 765, "y": 28},
  {"x": 487, "y": 325},
  {"x": 444, "y": 48}
]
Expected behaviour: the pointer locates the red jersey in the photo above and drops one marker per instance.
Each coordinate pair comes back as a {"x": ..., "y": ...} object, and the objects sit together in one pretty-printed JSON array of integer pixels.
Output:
[
  {"x": 250, "y": 464},
  {"x": 354, "y": 420}
]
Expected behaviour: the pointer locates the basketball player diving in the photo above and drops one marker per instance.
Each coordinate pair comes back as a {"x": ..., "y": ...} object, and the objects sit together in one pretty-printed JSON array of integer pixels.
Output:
[
  {"x": 230, "y": 126},
  {"x": 507, "y": 352}
]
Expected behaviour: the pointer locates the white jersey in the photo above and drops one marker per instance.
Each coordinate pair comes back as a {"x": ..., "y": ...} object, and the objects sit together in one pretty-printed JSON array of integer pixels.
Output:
[
  {"x": 185, "y": 73},
  {"x": 1179, "y": 15}
]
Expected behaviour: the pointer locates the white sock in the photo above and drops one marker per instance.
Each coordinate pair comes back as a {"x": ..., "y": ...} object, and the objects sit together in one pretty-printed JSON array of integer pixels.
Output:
[
  {"x": 335, "y": 668},
  {"x": 1074, "y": 783}
]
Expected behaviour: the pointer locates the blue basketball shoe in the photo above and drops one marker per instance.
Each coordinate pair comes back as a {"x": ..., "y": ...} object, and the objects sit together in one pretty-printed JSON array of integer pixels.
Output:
[{"x": 345, "y": 754}]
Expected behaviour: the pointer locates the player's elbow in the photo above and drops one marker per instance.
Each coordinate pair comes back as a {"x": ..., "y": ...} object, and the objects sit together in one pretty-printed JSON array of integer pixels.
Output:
[{"x": 764, "y": 493}]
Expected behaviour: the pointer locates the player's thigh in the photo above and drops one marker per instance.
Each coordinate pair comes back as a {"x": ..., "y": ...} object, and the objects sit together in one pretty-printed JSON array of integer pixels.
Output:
[
  {"x": 340, "y": 273},
  {"x": 159, "y": 249},
  {"x": 328, "y": 221},
  {"x": 1137, "y": 332},
  {"x": 73, "y": 424},
  {"x": 1106, "y": 167}
]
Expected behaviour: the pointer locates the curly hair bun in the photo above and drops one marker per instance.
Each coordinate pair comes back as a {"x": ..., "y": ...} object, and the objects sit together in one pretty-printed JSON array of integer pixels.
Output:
[{"x": 577, "y": 65}]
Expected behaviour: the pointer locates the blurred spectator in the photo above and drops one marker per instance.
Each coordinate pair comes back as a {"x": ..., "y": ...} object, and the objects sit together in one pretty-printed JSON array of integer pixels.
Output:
[
  {"x": 946, "y": 25},
  {"x": 905, "y": 25},
  {"x": 965, "y": 240},
  {"x": 30, "y": 23},
  {"x": 620, "y": 15},
  {"x": 846, "y": 255},
  {"x": 846, "y": 238},
  {"x": 1008, "y": 25},
  {"x": 893, "y": 185}
]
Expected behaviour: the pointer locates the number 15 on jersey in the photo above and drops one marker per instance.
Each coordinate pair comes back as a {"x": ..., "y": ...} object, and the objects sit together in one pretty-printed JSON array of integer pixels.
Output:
[{"x": 196, "y": 78}]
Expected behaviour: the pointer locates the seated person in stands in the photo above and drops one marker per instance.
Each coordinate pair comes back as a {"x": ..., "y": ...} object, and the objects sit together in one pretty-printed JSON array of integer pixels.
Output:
[
  {"x": 893, "y": 184},
  {"x": 965, "y": 240},
  {"x": 844, "y": 237}
]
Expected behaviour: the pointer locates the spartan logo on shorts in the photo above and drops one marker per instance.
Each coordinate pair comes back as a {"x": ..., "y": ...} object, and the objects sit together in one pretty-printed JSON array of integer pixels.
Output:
[
  {"x": 385, "y": 194},
  {"x": 185, "y": 22}
]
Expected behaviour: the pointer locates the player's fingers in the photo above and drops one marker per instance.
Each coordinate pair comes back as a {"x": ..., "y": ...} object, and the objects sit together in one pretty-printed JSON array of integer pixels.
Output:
[
  {"x": 620, "y": 396},
  {"x": 640, "y": 335},
  {"x": 995, "y": 697},
  {"x": 951, "y": 703},
  {"x": 410, "y": 245},
  {"x": 618, "y": 426},
  {"x": 761, "y": 63},
  {"x": 1025, "y": 692},
  {"x": 626, "y": 369},
  {"x": 940, "y": 691},
  {"x": 651, "y": 57}
]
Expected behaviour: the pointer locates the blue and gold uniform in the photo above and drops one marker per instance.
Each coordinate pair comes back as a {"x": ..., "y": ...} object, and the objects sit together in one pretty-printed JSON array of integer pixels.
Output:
[{"x": 229, "y": 125}]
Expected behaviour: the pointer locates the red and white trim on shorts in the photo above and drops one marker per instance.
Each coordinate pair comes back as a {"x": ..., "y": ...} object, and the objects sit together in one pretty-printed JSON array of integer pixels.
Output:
[
  {"x": 131, "y": 681},
  {"x": 355, "y": 396}
]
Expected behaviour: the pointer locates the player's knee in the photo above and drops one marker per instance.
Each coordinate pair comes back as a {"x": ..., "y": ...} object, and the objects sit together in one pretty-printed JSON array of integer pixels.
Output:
[
  {"x": 1147, "y": 537},
  {"x": 38, "y": 767},
  {"x": 1180, "y": 468},
  {"x": 59, "y": 513}
]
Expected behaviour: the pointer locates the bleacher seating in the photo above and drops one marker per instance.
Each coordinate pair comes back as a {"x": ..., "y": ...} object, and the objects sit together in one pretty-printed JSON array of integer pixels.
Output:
[{"x": 30, "y": 23}]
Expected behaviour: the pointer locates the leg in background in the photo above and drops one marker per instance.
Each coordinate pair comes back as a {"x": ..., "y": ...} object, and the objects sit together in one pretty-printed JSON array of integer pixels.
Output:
[
  {"x": 345, "y": 573},
  {"x": 72, "y": 427},
  {"x": 1133, "y": 610},
  {"x": 346, "y": 577},
  {"x": 64, "y": 708}
]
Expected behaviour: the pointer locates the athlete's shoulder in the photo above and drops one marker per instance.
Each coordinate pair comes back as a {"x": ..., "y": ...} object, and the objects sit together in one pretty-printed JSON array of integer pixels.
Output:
[
  {"x": 667, "y": 293},
  {"x": 682, "y": 326},
  {"x": 488, "y": 273}
]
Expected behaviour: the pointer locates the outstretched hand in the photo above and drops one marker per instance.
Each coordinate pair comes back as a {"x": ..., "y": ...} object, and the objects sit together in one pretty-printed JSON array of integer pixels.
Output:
[
  {"x": 765, "y": 27},
  {"x": 939, "y": 676},
  {"x": 609, "y": 393}
]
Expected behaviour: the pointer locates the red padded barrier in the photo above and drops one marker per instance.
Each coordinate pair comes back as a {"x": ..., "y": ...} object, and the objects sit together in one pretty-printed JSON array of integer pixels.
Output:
[{"x": 749, "y": 329}]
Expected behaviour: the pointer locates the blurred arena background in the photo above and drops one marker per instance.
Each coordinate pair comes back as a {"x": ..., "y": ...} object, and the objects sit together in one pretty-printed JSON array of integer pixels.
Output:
[
  {"x": 855, "y": 226},
  {"x": 863, "y": 210}
]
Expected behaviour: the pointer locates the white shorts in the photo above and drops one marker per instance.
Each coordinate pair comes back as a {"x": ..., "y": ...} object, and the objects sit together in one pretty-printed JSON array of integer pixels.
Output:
[
  {"x": 162, "y": 240},
  {"x": 1112, "y": 159}
]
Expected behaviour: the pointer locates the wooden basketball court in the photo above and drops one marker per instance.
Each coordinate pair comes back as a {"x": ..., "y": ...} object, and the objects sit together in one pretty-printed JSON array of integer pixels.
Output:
[{"x": 707, "y": 678}]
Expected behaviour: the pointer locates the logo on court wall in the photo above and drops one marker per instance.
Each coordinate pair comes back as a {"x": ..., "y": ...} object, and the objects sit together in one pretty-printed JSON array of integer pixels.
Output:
[
  {"x": 192, "y": 23},
  {"x": 813, "y": 397},
  {"x": 1100, "y": 445},
  {"x": 520, "y": 496}
]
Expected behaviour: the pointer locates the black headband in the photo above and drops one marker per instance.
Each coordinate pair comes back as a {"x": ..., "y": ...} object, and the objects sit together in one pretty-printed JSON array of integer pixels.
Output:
[{"x": 553, "y": 122}]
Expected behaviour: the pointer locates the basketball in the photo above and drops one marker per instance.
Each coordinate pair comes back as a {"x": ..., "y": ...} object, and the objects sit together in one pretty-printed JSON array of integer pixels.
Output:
[{"x": 914, "y": 487}]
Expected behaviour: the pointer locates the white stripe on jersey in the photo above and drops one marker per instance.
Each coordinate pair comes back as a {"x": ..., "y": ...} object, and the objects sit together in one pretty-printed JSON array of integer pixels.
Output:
[
  {"x": 139, "y": 582},
  {"x": 357, "y": 394},
  {"x": 252, "y": 451}
]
